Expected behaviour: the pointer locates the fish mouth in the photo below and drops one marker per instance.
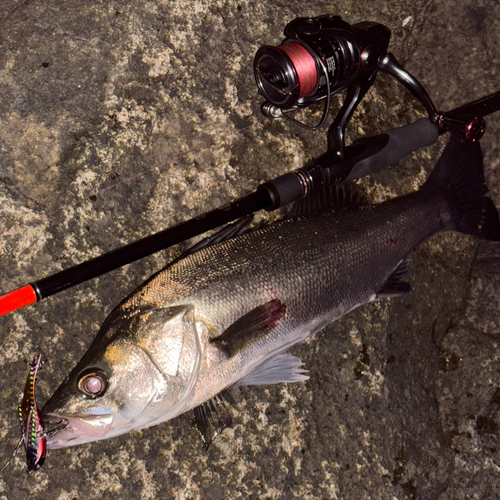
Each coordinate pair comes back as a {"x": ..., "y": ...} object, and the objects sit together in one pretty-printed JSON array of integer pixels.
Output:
[{"x": 70, "y": 430}]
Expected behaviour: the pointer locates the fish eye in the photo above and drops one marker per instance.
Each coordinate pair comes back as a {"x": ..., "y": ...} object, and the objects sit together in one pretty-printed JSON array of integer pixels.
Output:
[{"x": 93, "y": 384}]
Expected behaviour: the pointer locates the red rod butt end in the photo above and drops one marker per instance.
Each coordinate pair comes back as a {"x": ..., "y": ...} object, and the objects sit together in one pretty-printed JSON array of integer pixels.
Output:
[{"x": 17, "y": 299}]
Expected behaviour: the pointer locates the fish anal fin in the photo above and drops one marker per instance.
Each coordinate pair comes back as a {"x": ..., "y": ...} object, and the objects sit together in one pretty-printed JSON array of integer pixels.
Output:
[
  {"x": 283, "y": 368},
  {"x": 395, "y": 285},
  {"x": 213, "y": 416},
  {"x": 250, "y": 327}
]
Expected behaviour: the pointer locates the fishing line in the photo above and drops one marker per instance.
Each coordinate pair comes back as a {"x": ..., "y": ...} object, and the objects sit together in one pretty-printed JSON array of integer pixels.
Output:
[
  {"x": 304, "y": 65},
  {"x": 13, "y": 455}
]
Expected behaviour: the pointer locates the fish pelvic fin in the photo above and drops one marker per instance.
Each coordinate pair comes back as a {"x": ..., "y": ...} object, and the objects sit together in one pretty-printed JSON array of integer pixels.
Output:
[
  {"x": 250, "y": 327},
  {"x": 283, "y": 368},
  {"x": 213, "y": 416},
  {"x": 458, "y": 177}
]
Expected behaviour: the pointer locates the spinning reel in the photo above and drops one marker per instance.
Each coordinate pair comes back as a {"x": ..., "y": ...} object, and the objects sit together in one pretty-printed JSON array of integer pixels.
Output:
[{"x": 324, "y": 55}]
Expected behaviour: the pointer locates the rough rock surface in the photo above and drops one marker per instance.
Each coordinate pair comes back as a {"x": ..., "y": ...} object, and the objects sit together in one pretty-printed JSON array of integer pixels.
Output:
[{"x": 121, "y": 118}]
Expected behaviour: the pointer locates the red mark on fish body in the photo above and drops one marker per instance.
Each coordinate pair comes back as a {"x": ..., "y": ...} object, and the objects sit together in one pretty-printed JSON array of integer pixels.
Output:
[
  {"x": 276, "y": 311},
  {"x": 35, "y": 441},
  {"x": 394, "y": 242}
]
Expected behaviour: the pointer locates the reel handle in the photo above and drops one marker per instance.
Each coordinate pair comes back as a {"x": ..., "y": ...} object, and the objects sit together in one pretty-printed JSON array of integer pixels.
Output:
[{"x": 468, "y": 127}]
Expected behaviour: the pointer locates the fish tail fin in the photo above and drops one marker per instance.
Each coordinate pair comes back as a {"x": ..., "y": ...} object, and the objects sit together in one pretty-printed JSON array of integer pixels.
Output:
[{"x": 458, "y": 177}]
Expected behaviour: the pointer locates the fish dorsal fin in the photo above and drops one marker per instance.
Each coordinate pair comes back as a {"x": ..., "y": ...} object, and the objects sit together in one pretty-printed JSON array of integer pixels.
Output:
[
  {"x": 328, "y": 198},
  {"x": 283, "y": 368},
  {"x": 250, "y": 327},
  {"x": 395, "y": 284},
  {"x": 213, "y": 416},
  {"x": 237, "y": 228}
]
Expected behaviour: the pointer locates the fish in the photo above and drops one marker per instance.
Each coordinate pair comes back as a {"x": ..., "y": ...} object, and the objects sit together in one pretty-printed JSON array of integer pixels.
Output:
[
  {"x": 32, "y": 429},
  {"x": 228, "y": 313}
]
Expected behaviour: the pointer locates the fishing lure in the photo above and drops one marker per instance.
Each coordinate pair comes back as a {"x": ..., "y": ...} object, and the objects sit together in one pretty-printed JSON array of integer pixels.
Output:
[{"x": 33, "y": 435}]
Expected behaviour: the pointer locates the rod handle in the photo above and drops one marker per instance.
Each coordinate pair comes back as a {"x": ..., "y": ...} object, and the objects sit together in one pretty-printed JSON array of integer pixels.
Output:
[{"x": 392, "y": 146}]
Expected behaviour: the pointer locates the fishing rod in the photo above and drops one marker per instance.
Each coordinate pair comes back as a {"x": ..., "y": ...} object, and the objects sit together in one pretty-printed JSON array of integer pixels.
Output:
[{"x": 318, "y": 58}]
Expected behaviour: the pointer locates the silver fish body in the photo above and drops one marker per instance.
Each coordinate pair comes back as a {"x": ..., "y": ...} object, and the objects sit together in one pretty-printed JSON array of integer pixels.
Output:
[{"x": 158, "y": 356}]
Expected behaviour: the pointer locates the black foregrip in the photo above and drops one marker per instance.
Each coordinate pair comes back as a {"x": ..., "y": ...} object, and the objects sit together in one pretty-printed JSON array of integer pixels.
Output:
[
  {"x": 283, "y": 190},
  {"x": 399, "y": 142},
  {"x": 295, "y": 185}
]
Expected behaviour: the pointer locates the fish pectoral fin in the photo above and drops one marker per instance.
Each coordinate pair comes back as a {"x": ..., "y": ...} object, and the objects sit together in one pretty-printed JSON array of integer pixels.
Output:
[
  {"x": 283, "y": 368},
  {"x": 250, "y": 327},
  {"x": 395, "y": 284},
  {"x": 213, "y": 416}
]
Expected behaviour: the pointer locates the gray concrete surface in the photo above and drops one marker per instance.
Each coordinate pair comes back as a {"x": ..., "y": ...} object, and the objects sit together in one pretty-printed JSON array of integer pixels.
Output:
[{"x": 121, "y": 118}]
